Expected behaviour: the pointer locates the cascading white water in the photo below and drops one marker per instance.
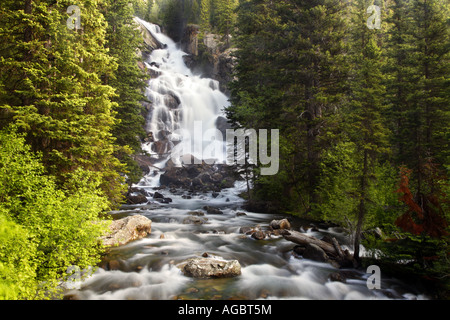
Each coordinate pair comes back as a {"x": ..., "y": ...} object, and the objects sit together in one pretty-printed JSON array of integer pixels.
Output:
[
  {"x": 181, "y": 100},
  {"x": 149, "y": 268}
]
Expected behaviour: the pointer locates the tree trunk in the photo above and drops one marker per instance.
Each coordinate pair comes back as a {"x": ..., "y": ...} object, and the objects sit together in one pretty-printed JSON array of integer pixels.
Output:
[
  {"x": 28, "y": 9},
  {"x": 28, "y": 37},
  {"x": 362, "y": 208}
]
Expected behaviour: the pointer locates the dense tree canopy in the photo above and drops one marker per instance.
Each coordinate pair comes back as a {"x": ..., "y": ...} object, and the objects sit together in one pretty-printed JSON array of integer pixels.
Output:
[{"x": 356, "y": 103}]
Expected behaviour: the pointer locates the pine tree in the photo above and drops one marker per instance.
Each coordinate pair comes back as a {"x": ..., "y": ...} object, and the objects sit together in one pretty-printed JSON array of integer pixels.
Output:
[
  {"x": 430, "y": 100},
  {"x": 226, "y": 17},
  {"x": 173, "y": 18},
  {"x": 400, "y": 84},
  {"x": 129, "y": 84},
  {"x": 52, "y": 85},
  {"x": 205, "y": 15},
  {"x": 365, "y": 115},
  {"x": 295, "y": 82}
]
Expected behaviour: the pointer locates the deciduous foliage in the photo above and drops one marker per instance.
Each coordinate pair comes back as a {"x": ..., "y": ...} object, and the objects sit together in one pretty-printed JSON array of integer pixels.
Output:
[
  {"x": 426, "y": 218},
  {"x": 44, "y": 229}
]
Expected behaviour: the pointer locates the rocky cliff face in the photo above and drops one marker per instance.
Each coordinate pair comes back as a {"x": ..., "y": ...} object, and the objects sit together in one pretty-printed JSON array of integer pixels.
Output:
[
  {"x": 211, "y": 56},
  {"x": 150, "y": 42},
  {"x": 189, "y": 40}
]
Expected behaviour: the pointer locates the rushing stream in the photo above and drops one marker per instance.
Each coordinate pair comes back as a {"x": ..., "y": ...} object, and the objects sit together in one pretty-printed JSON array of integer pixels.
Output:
[{"x": 147, "y": 269}]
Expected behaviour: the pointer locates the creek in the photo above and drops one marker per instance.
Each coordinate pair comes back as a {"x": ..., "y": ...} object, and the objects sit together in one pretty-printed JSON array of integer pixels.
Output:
[{"x": 147, "y": 269}]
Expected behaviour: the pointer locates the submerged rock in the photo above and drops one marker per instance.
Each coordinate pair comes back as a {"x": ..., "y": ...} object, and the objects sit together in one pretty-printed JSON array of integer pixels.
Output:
[
  {"x": 246, "y": 230},
  {"x": 212, "y": 210},
  {"x": 126, "y": 230},
  {"x": 337, "y": 276},
  {"x": 211, "y": 267},
  {"x": 195, "y": 220},
  {"x": 196, "y": 213}
]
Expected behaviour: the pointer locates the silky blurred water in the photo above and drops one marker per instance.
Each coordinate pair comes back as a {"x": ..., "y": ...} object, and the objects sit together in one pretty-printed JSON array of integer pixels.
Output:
[{"x": 147, "y": 269}]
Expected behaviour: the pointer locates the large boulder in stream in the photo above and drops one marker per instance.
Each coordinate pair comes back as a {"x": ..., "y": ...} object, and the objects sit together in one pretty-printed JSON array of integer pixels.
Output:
[
  {"x": 128, "y": 229},
  {"x": 211, "y": 267},
  {"x": 212, "y": 210},
  {"x": 314, "y": 252},
  {"x": 280, "y": 224}
]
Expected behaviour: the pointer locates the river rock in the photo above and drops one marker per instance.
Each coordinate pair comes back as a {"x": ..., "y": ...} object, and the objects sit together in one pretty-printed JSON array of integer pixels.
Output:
[
  {"x": 161, "y": 147},
  {"x": 158, "y": 195},
  {"x": 280, "y": 224},
  {"x": 258, "y": 235},
  {"x": 246, "y": 230},
  {"x": 172, "y": 101},
  {"x": 337, "y": 276},
  {"x": 211, "y": 268},
  {"x": 194, "y": 220},
  {"x": 314, "y": 252},
  {"x": 136, "y": 199},
  {"x": 327, "y": 238},
  {"x": 196, "y": 213},
  {"x": 145, "y": 163},
  {"x": 300, "y": 250},
  {"x": 126, "y": 230},
  {"x": 212, "y": 210}
]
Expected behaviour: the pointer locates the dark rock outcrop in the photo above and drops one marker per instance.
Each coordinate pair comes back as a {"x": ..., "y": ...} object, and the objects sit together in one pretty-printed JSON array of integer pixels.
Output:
[
  {"x": 150, "y": 42},
  {"x": 223, "y": 125},
  {"x": 198, "y": 177},
  {"x": 136, "y": 199},
  {"x": 213, "y": 58},
  {"x": 189, "y": 40}
]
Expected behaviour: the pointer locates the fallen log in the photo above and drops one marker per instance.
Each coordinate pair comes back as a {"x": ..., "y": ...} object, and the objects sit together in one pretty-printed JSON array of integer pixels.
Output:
[
  {"x": 303, "y": 239},
  {"x": 333, "y": 250}
]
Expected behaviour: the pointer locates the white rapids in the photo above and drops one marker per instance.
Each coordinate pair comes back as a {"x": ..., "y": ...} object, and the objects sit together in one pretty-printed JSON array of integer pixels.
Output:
[{"x": 147, "y": 269}]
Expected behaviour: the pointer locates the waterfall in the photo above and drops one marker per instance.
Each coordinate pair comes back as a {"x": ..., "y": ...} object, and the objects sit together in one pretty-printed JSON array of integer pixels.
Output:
[
  {"x": 185, "y": 106},
  {"x": 183, "y": 228}
]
